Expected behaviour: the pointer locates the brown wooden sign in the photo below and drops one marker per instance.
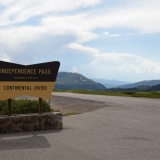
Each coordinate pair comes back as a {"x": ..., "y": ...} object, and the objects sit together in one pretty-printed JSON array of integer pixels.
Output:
[{"x": 35, "y": 80}]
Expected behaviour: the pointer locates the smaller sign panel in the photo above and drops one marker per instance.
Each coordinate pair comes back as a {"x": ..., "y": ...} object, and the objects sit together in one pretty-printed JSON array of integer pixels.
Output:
[{"x": 35, "y": 80}]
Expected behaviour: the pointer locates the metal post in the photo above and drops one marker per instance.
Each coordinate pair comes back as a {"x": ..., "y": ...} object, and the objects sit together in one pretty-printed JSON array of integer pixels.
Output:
[
  {"x": 9, "y": 107},
  {"x": 40, "y": 105}
]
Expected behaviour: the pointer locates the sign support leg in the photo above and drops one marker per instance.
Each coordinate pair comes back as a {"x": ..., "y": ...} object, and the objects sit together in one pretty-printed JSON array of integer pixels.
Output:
[
  {"x": 40, "y": 105},
  {"x": 50, "y": 105},
  {"x": 9, "y": 107}
]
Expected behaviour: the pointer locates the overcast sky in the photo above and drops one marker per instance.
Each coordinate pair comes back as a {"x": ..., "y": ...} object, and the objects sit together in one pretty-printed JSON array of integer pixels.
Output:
[{"x": 109, "y": 39}]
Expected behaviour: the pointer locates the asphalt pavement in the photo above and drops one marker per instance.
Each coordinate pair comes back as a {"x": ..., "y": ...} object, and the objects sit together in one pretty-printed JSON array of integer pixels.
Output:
[{"x": 127, "y": 129}]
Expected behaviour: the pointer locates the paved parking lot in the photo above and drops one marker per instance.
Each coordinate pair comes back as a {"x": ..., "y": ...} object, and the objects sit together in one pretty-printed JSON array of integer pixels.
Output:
[{"x": 127, "y": 129}]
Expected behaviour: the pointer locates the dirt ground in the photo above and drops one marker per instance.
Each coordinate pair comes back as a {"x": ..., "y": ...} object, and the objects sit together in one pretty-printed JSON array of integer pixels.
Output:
[{"x": 69, "y": 106}]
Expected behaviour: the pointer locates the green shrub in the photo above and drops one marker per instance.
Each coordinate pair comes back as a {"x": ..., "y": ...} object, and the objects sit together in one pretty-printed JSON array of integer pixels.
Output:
[
  {"x": 23, "y": 106},
  {"x": 128, "y": 93}
]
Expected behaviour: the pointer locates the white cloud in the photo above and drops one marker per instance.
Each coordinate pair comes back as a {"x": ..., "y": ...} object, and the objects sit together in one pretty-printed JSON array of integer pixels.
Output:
[
  {"x": 144, "y": 66},
  {"x": 140, "y": 15},
  {"x": 72, "y": 24},
  {"x": 107, "y": 34},
  {"x": 135, "y": 64},
  {"x": 121, "y": 61},
  {"x": 79, "y": 47},
  {"x": 143, "y": 17},
  {"x": 19, "y": 11},
  {"x": 5, "y": 58},
  {"x": 15, "y": 37}
]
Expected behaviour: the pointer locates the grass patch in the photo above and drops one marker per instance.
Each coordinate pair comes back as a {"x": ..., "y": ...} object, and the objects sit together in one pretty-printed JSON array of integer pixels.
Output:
[
  {"x": 147, "y": 94},
  {"x": 70, "y": 113},
  {"x": 23, "y": 106}
]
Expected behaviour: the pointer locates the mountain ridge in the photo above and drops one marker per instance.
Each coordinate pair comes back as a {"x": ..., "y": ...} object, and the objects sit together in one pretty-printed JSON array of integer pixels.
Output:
[
  {"x": 110, "y": 83},
  {"x": 141, "y": 83},
  {"x": 73, "y": 81},
  {"x": 76, "y": 81}
]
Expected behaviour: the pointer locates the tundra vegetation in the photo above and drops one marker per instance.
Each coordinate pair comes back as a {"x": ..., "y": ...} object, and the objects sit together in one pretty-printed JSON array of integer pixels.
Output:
[{"x": 155, "y": 94}]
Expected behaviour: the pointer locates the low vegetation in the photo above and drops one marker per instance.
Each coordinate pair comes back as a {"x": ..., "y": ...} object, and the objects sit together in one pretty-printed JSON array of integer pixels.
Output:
[
  {"x": 117, "y": 93},
  {"x": 23, "y": 106},
  {"x": 70, "y": 113}
]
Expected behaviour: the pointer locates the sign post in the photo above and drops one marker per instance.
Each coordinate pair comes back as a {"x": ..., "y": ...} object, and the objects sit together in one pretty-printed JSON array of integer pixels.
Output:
[
  {"x": 40, "y": 105},
  {"x": 35, "y": 80},
  {"x": 9, "y": 107}
]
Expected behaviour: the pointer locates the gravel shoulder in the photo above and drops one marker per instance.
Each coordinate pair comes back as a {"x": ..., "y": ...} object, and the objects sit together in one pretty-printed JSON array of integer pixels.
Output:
[{"x": 69, "y": 106}]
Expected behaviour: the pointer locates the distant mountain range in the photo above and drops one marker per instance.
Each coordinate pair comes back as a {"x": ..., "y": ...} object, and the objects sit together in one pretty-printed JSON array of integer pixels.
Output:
[
  {"x": 138, "y": 89},
  {"x": 146, "y": 85},
  {"x": 110, "y": 83},
  {"x": 141, "y": 83},
  {"x": 75, "y": 81}
]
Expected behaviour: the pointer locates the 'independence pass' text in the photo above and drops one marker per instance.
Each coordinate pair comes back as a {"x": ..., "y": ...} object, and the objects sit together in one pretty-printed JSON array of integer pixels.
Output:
[{"x": 25, "y": 71}]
